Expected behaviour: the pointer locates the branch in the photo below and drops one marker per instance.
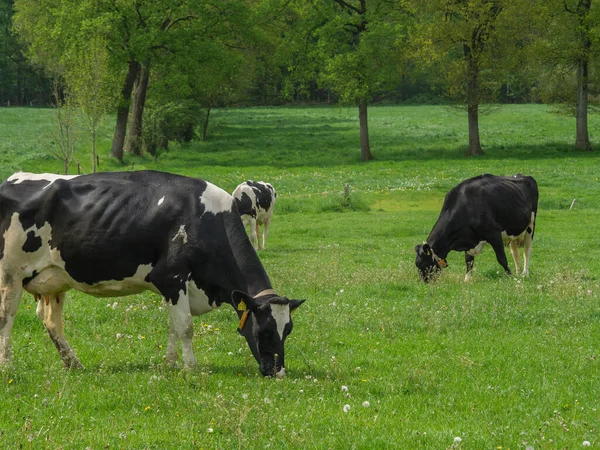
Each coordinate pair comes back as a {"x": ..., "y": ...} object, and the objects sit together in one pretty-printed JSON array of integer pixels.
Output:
[
  {"x": 168, "y": 24},
  {"x": 345, "y": 5}
]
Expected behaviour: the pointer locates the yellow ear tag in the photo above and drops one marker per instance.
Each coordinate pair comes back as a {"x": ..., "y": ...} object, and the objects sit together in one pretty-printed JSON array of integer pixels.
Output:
[
  {"x": 243, "y": 319},
  {"x": 242, "y": 306},
  {"x": 442, "y": 263},
  {"x": 428, "y": 253}
]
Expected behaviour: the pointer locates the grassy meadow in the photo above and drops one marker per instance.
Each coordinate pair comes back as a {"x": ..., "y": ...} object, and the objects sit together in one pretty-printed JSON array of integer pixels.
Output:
[{"x": 497, "y": 363}]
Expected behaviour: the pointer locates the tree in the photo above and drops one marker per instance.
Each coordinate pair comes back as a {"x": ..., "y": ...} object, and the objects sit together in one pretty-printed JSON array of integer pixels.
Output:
[
  {"x": 463, "y": 36},
  {"x": 569, "y": 50},
  {"x": 91, "y": 82},
  {"x": 353, "y": 45}
]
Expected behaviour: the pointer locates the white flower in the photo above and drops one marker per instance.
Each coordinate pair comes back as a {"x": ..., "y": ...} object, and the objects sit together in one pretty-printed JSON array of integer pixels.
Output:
[
  {"x": 230, "y": 353},
  {"x": 346, "y": 408},
  {"x": 366, "y": 404},
  {"x": 301, "y": 391},
  {"x": 586, "y": 443},
  {"x": 344, "y": 388},
  {"x": 209, "y": 430},
  {"x": 245, "y": 396},
  {"x": 457, "y": 440},
  {"x": 119, "y": 335},
  {"x": 115, "y": 305},
  {"x": 267, "y": 401}
]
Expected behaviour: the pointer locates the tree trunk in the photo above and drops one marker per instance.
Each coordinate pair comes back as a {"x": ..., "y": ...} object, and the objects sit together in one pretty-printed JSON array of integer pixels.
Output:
[
  {"x": 582, "y": 140},
  {"x": 116, "y": 150},
  {"x": 133, "y": 143},
  {"x": 473, "y": 103},
  {"x": 365, "y": 148},
  {"x": 205, "y": 125},
  {"x": 94, "y": 168}
]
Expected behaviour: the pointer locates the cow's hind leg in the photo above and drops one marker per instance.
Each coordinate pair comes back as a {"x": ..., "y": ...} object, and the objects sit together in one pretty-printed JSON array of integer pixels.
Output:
[
  {"x": 469, "y": 260},
  {"x": 514, "y": 250},
  {"x": 498, "y": 246},
  {"x": 49, "y": 310},
  {"x": 10, "y": 296},
  {"x": 265, "y": 232},
  {"x": 254, "y": 232},
  {"x": 181, "y": 320},
  {"x": 527, "y": 248}
]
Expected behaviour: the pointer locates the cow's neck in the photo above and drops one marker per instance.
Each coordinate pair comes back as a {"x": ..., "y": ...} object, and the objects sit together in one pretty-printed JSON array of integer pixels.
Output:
[
  {"x": 249, "y": 273},
  {"x": 441, "y": 239}
]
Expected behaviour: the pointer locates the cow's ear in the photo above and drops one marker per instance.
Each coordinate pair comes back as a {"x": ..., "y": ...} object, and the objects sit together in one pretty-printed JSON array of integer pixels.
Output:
[
  {"x": 243, "y": 301},
  {"x": 295, "y": 303}
]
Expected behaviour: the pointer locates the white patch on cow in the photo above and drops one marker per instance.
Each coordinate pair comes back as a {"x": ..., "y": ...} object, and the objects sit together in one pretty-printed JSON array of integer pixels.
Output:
[
  {"x": 161, "y": 200},
  {"x": 19, "y": 177},
  {"x": 182, "y": 234},
  {"x": 216, "y": 200},
  {"x": 281, "y": 314},
  {"x": 199, "y": 303},
  {"x": 477, "y": 249}
]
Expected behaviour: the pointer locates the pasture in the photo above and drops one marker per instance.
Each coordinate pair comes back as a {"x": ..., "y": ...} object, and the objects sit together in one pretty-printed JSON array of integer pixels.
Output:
[{"x": 501, "y": 362}]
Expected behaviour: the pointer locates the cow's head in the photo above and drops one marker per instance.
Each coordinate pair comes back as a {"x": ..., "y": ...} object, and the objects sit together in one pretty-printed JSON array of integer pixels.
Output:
[
  {"x": 427, "y": 262},
  {"x": 265, "y": 322}
]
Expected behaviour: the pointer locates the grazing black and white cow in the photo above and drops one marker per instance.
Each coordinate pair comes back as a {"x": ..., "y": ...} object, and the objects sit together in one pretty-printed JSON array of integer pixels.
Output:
[
  {"x": 115, "y": 234},
  {"x": 255, "y": 202},
  {"x": 480, "y": 210}
]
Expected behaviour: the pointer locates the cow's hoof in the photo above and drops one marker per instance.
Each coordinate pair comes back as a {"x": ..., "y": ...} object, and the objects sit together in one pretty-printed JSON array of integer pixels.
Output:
[
  {"x": 170, "y": 361},
  {"x": 73, "y": 364}
]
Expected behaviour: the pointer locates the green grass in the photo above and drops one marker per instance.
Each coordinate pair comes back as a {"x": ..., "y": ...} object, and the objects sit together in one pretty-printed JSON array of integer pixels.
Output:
[{"x": 501, "y": 361}]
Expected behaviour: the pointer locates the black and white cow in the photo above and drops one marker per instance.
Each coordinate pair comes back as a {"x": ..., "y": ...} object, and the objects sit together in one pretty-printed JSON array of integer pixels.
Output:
[
  {"x": 255, "y": 202},
  {"x": 115, "y": 234},
  {"x": 483, "y": 209}
]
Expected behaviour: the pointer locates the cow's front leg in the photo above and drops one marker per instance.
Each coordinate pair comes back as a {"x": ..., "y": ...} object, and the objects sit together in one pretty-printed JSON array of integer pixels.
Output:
[
  {"x": 171, "y": 355},
  {"x": 10, "y": 296},
  {"x": 181, "y": 318},
  {"x": 469, "y": 260},
  {"x": 49, "y": 310},
  {"x": 498, "y": 245}
]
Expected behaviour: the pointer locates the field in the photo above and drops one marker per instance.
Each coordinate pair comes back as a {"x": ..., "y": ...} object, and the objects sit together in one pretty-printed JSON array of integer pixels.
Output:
[{"x": 500, "y": 362}]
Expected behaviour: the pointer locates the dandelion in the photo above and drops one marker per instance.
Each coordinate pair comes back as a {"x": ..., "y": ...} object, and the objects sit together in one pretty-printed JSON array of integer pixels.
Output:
[
  {"x": 209, "y": 430},
  {"x": 457, "y": 440},
  {"x": 147, "y": 408},
  {"x": 586, "y": 443},
  {"x": 346, "y": 408},
  {"x": 344, "y": 388},
  {"x": 366, "y": 404},
  {"x": 114, "y": 305}
]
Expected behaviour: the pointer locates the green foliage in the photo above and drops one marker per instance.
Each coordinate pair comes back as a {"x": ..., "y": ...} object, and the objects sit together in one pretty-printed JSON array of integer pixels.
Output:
[{"x": 169, "y": 122}]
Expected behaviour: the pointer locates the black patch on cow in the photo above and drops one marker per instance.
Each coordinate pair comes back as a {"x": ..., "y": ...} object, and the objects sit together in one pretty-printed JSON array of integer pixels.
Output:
[
  {"x": 33, "y": 243},
  {"x": 264, "y": 196},
  {"x": 244, "y": 205}
]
